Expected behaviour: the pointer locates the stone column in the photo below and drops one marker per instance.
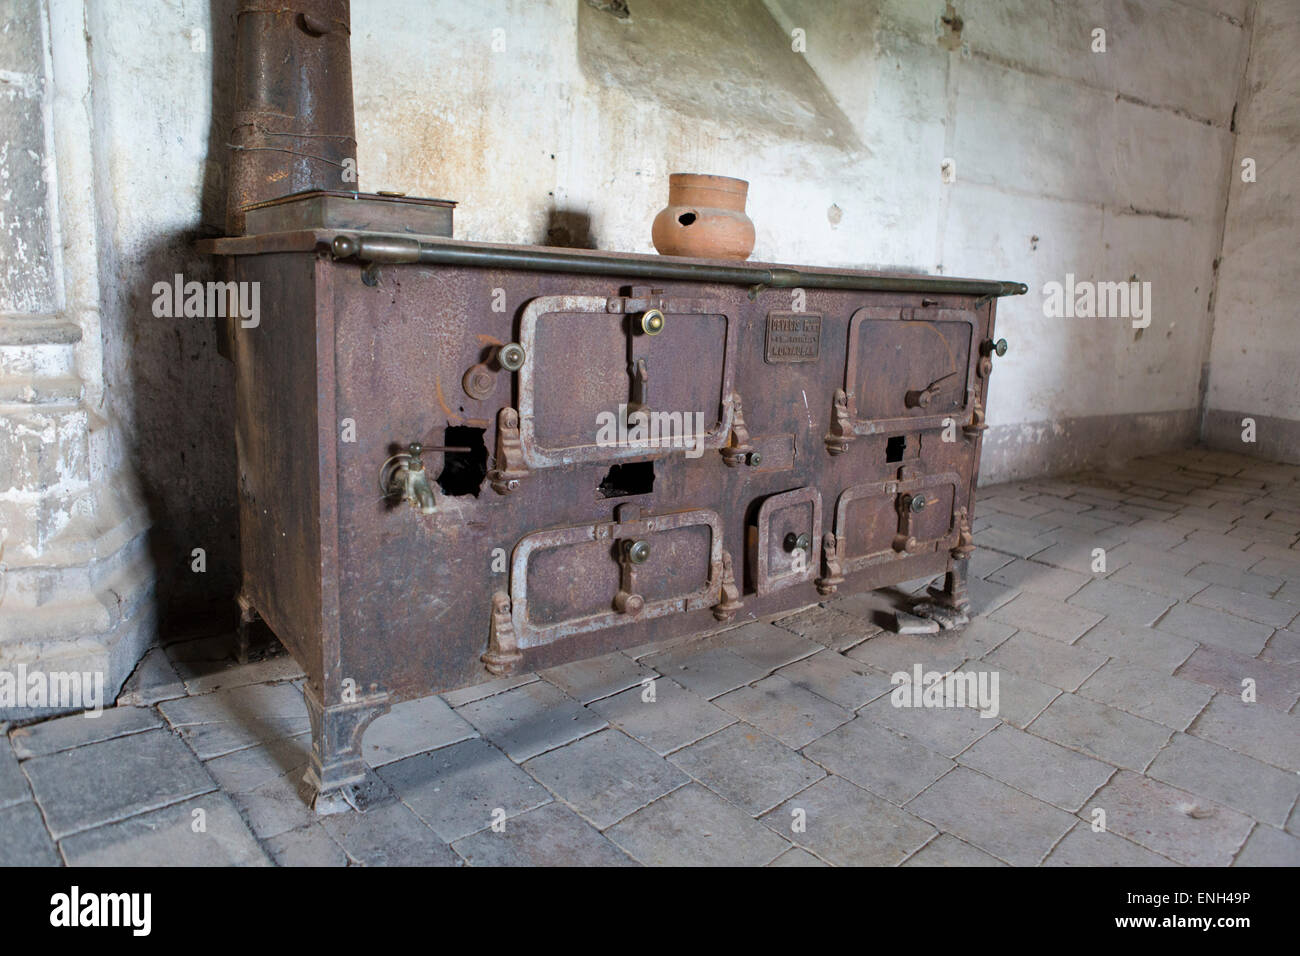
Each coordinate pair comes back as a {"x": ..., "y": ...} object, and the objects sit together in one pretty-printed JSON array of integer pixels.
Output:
[{"x": 76, "y": 580}]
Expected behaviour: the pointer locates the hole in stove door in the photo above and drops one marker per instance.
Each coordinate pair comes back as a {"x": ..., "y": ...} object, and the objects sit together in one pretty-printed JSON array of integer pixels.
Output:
[
  {"x": 629, "y": 478},
  {"x": 463, "y": 472},
  {"x": 895, "y": 448}
]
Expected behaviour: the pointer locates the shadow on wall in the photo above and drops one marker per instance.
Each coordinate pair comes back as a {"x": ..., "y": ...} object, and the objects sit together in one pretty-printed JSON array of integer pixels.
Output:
[
  {"x": 567, "y": 229},
  {"x": 182, "y": 391}
]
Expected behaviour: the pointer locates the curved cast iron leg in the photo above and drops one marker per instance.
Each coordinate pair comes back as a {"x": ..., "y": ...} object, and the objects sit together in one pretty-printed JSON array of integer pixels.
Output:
[{"x": 337, "y": 773}]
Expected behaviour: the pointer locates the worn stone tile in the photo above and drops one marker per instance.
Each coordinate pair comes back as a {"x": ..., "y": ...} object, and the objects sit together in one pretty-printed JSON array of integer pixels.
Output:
[
  {"x": 1067, "y": 507},
  {"x": 747, "y": 767},
  {"x": 1227, "y": 777},
  {"x": 1037, "y": 767},
  {"x": 839, "y": 679},
  {"x": 986, "y": 596},
  {"x": 788, "y": 712},
  {"x": 693, "y": 827},
  {"x": 154, "y": 679},
  {"x": 1181, "y": 826},
  {"x": 1253, "y": 729},
  {"x": 1120, "y": 603},
  {"x": 597, "y": 677},
  {"x": 388, "y": 835},
  {"x": 766, "y": 645},
  {"x": 674, "y": 718},
  {"x": 878, "y": 759},
  {"x": 847, "y": 826},
  {"x": 107, "y": 781},
  {"x": 411, "y": 727},
  {"x": 1040, "y": 578},
  {"x": 1110, "y": 735},
  {"x": 168, "y": 837},
  {"x": 24, "y": 841},
  {"x": 1158, "y": 650},
  {"x": 531, "y": 719},
  {"x": 1010, "y": 542},
  {"x": 1253, "y": 607},
  {"x": 1078, "y": 555},
  {"x": 1170, "y": 584},
  {"x": 1047, "y": 616},
  {"x": 1278, "y": 568},
  {"x": 1277, "y": 684},
  {"x": 1269, "y": 847},
  {"x": 13, "y": 785},
  {"x": 203, "y": 677},
  {"x": 795, "y": 856},
  {"x": 1223, "y": 550},
  {"x": 1235, "y": 579},
  {"x": 266, "y": 784},
  {"x": 946, "y": 730},
  {"x": 947, "y": 850},
  {"x": 229, "y": 720},
  {"x": 1283, "y": 646},
  {"x": 1084, "y": 846},
  {"x": 1147, "y": 556},
  {"x": 552, "y": 835},
  {"x": 1020, "y": 699},
  {"x": 983, "y": 563},
  {"x": 76, "y": 730},
  {"x": 892, "y": 653},
  {"x": 467, "y": 695},
  {"x": 706, "y": 670},
  {"x": 308, "y": 846},
  {"x": 1143, "y": 692},
  {"x": 456, "y": 790},
  {"x": 1009, "y": 504},
  {"x": 1209, "y": 626},
  {"x": 992, "y": 816},
  {"x": 1290, "y": 593},
  {"x": 1155, "y": 534},
  {"x": 829, "y": 627},
  {"x": 1046, "y": 660},
  {"x": 606, "y": 776}
]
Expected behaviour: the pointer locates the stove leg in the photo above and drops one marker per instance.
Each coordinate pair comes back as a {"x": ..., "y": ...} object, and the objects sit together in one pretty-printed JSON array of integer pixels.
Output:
[
  {"x": 248, "y": 617},
  {"x": 337, "y": 776},
  {"x": 949, "y": 605}
]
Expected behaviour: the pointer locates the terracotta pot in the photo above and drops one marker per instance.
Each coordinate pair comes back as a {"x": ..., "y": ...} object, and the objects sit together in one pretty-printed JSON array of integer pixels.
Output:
[{"x": 705, "y": 217}]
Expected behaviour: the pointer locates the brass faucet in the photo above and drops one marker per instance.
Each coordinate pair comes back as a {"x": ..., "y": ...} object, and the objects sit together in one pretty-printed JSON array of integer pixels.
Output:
[{"x": 403, "y": 476}]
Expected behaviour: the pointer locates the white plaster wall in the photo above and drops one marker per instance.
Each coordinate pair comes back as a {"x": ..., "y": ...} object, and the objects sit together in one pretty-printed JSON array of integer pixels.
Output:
[{"x": 1255, "y": 358}]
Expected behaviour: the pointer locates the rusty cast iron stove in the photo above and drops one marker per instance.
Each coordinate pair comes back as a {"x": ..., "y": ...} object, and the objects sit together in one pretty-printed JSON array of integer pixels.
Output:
[{"x": 441, "y": 476}]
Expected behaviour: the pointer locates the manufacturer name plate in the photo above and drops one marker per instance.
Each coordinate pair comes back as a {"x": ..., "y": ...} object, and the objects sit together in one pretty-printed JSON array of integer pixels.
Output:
[{"x": 793, "y": 337}]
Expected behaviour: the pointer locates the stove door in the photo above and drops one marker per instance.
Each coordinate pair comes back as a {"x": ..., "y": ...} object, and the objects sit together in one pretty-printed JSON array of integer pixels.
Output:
[
  {"x": 883, "y": 520},
  {"x": 593, "y": 363},
  {"x": 786, "y": 540},
  {"x": 584, "y": 578},
  {"x": 909, "y": 369}
]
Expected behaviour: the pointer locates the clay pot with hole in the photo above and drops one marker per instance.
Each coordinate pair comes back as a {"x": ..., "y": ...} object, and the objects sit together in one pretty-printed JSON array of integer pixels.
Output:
[{"x": 705, "y": 218}]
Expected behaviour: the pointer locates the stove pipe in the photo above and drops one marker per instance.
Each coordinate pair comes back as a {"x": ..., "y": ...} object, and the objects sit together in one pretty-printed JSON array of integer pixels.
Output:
[{"x": 293, "y": 128}]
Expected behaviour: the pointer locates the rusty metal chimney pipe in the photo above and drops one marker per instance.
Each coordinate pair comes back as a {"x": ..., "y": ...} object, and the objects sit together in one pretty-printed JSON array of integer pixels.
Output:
[{"x": 294, "y": 128}]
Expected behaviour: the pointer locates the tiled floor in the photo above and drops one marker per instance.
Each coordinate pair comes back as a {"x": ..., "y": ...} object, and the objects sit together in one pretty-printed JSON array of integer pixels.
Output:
[{"x": 1121, "y": 671}]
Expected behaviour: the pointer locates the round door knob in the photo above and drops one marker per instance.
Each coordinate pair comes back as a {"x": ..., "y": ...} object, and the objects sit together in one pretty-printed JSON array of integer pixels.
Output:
[
  {"x": 797, "y": 542},
  {"x": 511, "y": 357},
  {"x": 638, "y": 552},
  {"x": 1000, "y": 347},
  {"x": 917, "y": 504},
  {"x": 652, "y": 321}
]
